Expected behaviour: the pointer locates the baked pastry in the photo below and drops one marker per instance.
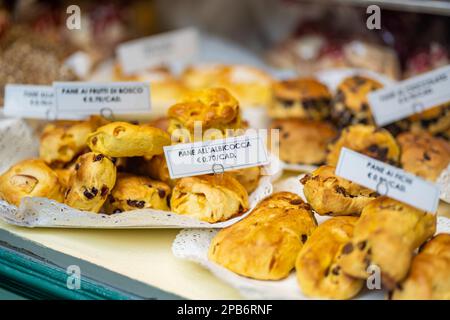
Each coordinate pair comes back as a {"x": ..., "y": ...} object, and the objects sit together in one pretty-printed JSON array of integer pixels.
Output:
[
  {"x": 350, "y": 104},
  {"x": 210, "y": 198},
  {"x": 155, "y": 168},
  {"x": 64, "y": 176},
  {"x": 435, "y": 120},
  {"x": 424, "y": 155},
  {"x": 122, "y": 139},
  {"x": 247, "y": 177},
  {"x": 429, "y": 277},
  {"x": 136, "y": 192},
  {"x": 386, "y": 235},
  {"x": 30, "y": 178},
  {"x": 303, "y": 141},
  {"x": 91, "y": 182},
  {"x": 329, "y": 194},
  {"x": 160, "y": 123},
  {"x": 376, "y": 143},
  {"x": 264, "y": 244},
  {"x": 303, "y": 98},
  {"x": 318, "y": 267},
  {"x": 202, "y": 76}
]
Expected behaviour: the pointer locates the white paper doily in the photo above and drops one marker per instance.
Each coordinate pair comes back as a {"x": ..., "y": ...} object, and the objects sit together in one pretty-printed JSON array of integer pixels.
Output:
[{"x": 444, "y": 184}]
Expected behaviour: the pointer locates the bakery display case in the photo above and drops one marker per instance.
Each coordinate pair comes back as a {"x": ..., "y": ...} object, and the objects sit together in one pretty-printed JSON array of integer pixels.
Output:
[{"x": 284, "y": 150}]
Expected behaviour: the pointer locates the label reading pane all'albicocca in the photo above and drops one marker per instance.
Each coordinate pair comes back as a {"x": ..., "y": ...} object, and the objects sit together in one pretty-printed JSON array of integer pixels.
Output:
[
  {"x": 410, "y": 96},
  {"x": 215, "y": 156},
  {"x": 388, "y": 180},
  {"x": 29, "y": 101}
]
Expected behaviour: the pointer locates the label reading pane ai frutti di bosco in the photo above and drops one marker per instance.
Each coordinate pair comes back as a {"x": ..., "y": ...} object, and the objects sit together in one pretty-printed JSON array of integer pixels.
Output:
[
  {"x": 410, "y": 96},
  {"x": 388, "y": 180},
  {"x": 29, "y": 101},
  {"x": 165, "y": 48},
  {"x": 215, "y": 156}
]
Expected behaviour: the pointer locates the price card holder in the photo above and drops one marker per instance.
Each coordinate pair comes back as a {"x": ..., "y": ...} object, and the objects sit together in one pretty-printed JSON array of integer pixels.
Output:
[{"x": 30, "y": 101}]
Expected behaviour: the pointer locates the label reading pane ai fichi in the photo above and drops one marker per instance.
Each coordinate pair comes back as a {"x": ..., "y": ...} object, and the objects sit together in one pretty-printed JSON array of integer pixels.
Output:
[
  {"x": 29, "y": 101},
  {"x": 388, "y": 180},
  {"x": 215, "y": 156},
  {"x": 77, "y": 100},
  {"x": 410, "y": 96}
]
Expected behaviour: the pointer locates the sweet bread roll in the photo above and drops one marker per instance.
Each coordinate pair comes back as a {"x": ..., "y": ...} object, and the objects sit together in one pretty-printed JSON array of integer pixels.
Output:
[
  {"x": 329, "y": 194},
  {"x": 91, "y": 182},
  {"x": 429, "y": 277},
  {"x": 122, "y": 139},
  {"x": 30, "y": 178},
  {"x": 210, "y": 198},
  {"x": 386, "y": 235},
  {"x": 155, "y": 168},
  {"x": 435, "y": 120},
  {"x": 247, "y": 177},
  {"x": 136, "y": 192},
  {"x": 318, "y": 267},
  {"x": 374, "y": 142},
  {"x": 424, "y": 155},
  {"x": 303, "y": 98},
  {"x": 64, "y": 176},
  {"x": 265, "y": 244},
  {"x": 303, "y": 141},
  {"x": 350, "y": 104},
  {"x": 202, "y": 76}
]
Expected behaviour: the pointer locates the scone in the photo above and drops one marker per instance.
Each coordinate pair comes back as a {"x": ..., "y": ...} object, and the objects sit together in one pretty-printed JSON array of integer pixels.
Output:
[
  {"x": 91, "y": 182},
  {"x": 122, "y": 139},
  {"x": 374, "y": 142},
  {"x": 210, "y": 198},
  {"x": 318, "y": 267},
  {"x": 247, "y": 177},
  {"x": 386, "y": 235},
  {"x": 424, "y": 155},
  {"x": 303, "y": 98},
  {"x": 303, "y": 141},
  {"x": 429, "y": 277},
  {"x": 435, "y": 120},
  {"x": 30, "y": 178},
  {"x": 265, "y": 244},
  {"x": 329, "y": 194},
  {"x": 136, "y": 192},
  {"x": 350, "y": 104}
]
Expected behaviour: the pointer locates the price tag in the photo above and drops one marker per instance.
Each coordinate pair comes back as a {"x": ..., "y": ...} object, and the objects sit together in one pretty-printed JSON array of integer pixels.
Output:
[
  {"x": 29, "y": 101},
  {"x": 165, "y": 48},
  {"x": 388, "y": 180},
  {"x": 77, "y": 100},
  {"x": 215, "y": 156},
  {"x": 410, "y": 96}
]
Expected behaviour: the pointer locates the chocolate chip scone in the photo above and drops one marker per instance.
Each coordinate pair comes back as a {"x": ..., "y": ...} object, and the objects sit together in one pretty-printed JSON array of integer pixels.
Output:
[{"x": 435, "y": 120}]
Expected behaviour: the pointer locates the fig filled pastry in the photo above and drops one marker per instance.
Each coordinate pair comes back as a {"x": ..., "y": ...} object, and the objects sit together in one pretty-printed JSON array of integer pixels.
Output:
[
  {"x": 329, "y": 194},
  {"x": 265, "y": 244},
  {"x": 319, "y": 273},
  {"x": 376, "y": 143},
  {"x": 247, "y": 177},
  {"x": 435, "y": 120},
  {"x": 122, "y": 139},
  {"x": 386, "y": 235},
  {"x": 91, "y": 182},
  {"x": 429, "y": 277},
  {"x": 303, "y": 98},
  {"x": 350, "y": 104},
  {"x": 210, "y": 198},
  {"x": 424, "y": 155},
  {"x": 303, "y": 141},
  {"x": 30, "y": 178},
  {"x": 136, "y": 192}
]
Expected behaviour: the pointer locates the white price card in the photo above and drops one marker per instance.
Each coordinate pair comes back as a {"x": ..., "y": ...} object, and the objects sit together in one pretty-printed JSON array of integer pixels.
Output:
[
  {"x": 77, "y": 100},
  {"x": 29, "y": 101},
  {"x": 388, "y": 180},
  {"x": 216, "y": 156},
  {"x": 164, "y": 48},
  {"x": 410, "y": 96}
]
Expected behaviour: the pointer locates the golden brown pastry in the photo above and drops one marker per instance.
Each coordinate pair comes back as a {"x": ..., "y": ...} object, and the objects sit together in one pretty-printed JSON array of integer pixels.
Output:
[
  {"x": 247, "y": 177},
  {"x": 429, "y": 277},
  {"x": 318, "y": 267},
  {"x": 303, "y": 98},
  {"x": 424, "y": 155},
  {"x": 210, "y": 198},
  {"x": 64, "y": 176},
  {"x": 303, "y": 141},
  {"x": 386, "y": 235},
  {"x": 160, "y": 123},
  {"x": 374, "y": 142},
  {"x": 435, "y": 120},
  {"x": 265, "y": 244},
  {"x": 329, "y": 194},
  {"x": 30, "y": 178},
  {"x": 91, "y": 182},
  {"x": 202, "y": 76},
  {"x": 350, "y": 104},
  {"x": 136, "y": 192},
  {"x": 122, "y": 139},
  {"x": 155, "y": 168}
]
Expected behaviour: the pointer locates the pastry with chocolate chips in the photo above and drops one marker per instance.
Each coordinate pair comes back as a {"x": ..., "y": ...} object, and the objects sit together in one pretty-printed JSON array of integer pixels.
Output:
[{"x": 435, "y": 120}]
